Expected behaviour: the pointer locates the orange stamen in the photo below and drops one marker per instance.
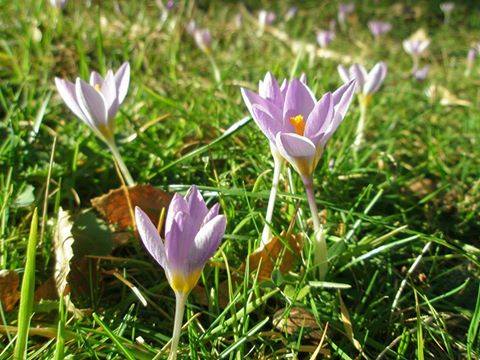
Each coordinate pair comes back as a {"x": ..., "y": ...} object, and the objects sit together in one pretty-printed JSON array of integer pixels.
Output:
[{"x": 298, "y": 124}]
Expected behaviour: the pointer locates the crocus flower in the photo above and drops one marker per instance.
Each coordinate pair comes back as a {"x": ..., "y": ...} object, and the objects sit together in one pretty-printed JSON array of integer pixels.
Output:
[
  {"x": 266, "y": 17},
  {"x": 238, "y": 20},
  {"x": 447, "y": 8},
  {"x": 471, "y": 56},
  {"x": 421, "y": 73},
  {"x": 291, "y": 12},
  {"x": 192, "y": 235},
  {"x": 191, "y": 27},
  {"x": 325, "y": 37},
  {"x": 378, "y": 28},
  {"x": 416, "y": 47},
  {"x": 96, "y": 103},
  {"x": 59, "y": 4},
  {"x": 367, "y": 82},
  {"x": 203, "y": 39},
  {"x": 345, "y": 9},
  {"x": 295, "y": 123}
]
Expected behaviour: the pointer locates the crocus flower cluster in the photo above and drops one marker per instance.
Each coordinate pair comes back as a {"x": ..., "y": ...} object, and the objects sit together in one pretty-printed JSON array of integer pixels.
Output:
[
  {"x": 325, "y": 37},
  {"x": 192, "y": 235},
  {"x": 378, "y": 28}
]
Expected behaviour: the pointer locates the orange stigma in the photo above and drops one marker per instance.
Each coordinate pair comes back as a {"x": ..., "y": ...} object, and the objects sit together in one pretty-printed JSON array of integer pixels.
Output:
[
  {"x": 97, "y": 87},
  {"x": 298, "y": 124}
]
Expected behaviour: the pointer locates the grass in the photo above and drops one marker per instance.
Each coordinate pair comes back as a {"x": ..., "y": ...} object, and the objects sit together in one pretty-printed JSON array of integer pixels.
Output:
[{"x": 413, "y": 183}]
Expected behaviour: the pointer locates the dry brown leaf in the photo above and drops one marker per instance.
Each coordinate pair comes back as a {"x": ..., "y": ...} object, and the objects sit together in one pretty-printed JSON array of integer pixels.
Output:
[
  {"x": 114, "y": 206},
  {"x": 62, "y": 242},
  {"x": 295, "y": 319},
  {"x": 9, "y": 293},
  {"x": 281, "y": 251},
  {"x": 201, "y": 295}
]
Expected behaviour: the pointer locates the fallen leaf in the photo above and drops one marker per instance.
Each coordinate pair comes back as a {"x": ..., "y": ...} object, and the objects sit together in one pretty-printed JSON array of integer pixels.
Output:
[
  {"x": 9, "y": 293},
  {"x": 62, "y": 243},
  {"x": 292, "y": 320},
  {"x": 202, "y": 296},
  {"x": 279, "y": 252},
  {"x": 444, "y": 96},
  {"x": 117, "y": 209}
]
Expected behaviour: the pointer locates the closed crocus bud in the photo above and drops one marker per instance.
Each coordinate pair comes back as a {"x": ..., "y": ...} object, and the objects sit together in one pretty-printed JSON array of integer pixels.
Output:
[
  {"x": 291, "y": 12},
  {"x": 203, "y": 39},
  {"x": 59, "y": 4},
  {"x": 192, "y": 235},
  {"x": 96, "y": 103},
  {"x": 325, "y": 37},
  {"x": 378, "y": 28},
  {"x": 421, "y": 73},
  {"x": 367, "y": 82}
]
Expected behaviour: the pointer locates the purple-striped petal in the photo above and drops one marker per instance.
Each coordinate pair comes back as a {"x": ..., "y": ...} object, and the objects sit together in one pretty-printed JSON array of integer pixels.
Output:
[
  {"x": 343, "y": 72},
  {"x": 358, "y": 73},
  {"x": 197, "y": 209},
  {"x": 178, "y": 204},
  {"x": 298, "y": 150},
  {"x": 150, "y": 237}
]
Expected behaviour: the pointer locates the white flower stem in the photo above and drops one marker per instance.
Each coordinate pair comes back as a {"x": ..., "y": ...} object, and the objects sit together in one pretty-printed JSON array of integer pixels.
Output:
[
  {"x": 180, "y": 300},
  {"x": 216, "y": 70},
  {"x": 121, "y": 163},
  {"x": 359, "y": 134},
  {"x": 277, "y": 169},
  {"x": 320, "y": 244}
]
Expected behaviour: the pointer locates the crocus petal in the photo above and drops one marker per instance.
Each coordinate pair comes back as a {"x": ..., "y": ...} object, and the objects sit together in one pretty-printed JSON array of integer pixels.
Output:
[
  {"x": 298, "y": 150},
  {"x": 266, "y": 122},
  {"x": 299, "y": 100},
  {"x": 270, "y": 90},
  {"x": 122, "y": 81},
  {"x": 96, "y": 79},
  {"x": 178, "y": 204},
  {"x": 207, "y": 241},
  {"x": 150, "y": 237},
  {"x": 66, "y": 89},
  {"x": 321, "y": 114},
  {"x": 250, "y": 98},
  {"x": 176, "y": 243},
  {"x": 109, "y": 92},
  {"x": 375, "y": 78},
  {"x": 92, "y": 103},
  {"x": 211, "y": 213},
  {"x": 343, "y": 72},
  {"x": 196, "y": 208},
  {"x": 358, "y": 73}
]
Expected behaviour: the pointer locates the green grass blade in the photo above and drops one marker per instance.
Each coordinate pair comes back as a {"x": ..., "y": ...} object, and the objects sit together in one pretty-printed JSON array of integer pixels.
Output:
[
  {"x": 473, "y": 328},
  {"x": 28, "y": 287}
]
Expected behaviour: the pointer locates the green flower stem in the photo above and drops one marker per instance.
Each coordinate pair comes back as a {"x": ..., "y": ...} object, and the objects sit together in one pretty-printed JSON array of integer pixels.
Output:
[
  {"x": 320, "y": 243},
  {"x": 180, "y": 300},
  {"x": 277, "y": 169},
  {"x": 121, "y": 164}
]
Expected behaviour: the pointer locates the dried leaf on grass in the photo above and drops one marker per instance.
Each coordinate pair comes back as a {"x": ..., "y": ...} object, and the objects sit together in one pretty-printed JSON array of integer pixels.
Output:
[
  {"x": 280, "y": 252},
  {"x": 347, "y": 324},
  {"x": 202, "y": 296},
  {"x": 62, "y": 243},
  {"x": 9, "y": 293},
  {"x": 117, "y": 208},
  {"x": 422, "y": 187},
  {"x": 296, "y": 318},
  {"x": 445, "y": 97}
]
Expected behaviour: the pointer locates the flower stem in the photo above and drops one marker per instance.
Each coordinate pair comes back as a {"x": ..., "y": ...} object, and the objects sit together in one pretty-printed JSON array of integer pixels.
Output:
[
  {"x": 277, "y": 169},
  {"x": 180, "y": 300},
  {"x": 320, "y": 244},
  {"x": 121, "y": 163},
  {"x": 359, "y": 134},
  {"x": 216, "y": 70}
]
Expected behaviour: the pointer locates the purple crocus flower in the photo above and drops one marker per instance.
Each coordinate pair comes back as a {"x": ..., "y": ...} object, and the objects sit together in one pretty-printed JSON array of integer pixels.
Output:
[
  {"x": 96, "y": 103},
  {"x": 345, "y": 9},
  {"x": 325, "y": 37},
  {"x": 192, "y": 235},
  {"x": 291, "y": 12},
  {"x": 367, "y": 82},
  {"x": 421, "y": 73},
  {"x": 203, "y": 39},
  {"x": 59, "y": 4},
  {"x": 415, "y": 47},
  {"x": 295, "y": 123},
  {"x": 191, "y": 27},
  {"x": 378, "y": 28},
  {"x": 266, "y": 17}
]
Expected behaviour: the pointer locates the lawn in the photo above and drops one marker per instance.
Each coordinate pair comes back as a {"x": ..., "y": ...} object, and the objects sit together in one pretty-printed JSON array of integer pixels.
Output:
[{"x": 399, "y": 210}]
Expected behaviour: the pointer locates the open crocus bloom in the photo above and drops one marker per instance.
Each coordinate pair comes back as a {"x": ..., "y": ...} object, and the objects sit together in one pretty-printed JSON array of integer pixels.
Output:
[
  {"x": 325, "y": 37},
  {"x": 415, "y": 47},
  {"x": 192, "y": 235},
  {"x": 96, "y": 103},
  {"x": 378, "y": 28},
  {"x": 295, "y": 123},
  {"x": 367, "y": 82},
  {"x": 203, "y": 39}
]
